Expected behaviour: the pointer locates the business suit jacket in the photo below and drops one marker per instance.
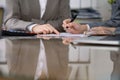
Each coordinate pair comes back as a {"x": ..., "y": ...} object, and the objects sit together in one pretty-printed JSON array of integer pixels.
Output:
[
  {"x": 114, "y": 21},
  {"x": 22, "y": 13}
]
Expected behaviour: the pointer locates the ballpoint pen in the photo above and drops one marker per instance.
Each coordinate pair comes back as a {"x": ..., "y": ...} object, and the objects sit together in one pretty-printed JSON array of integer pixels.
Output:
[{"x": 73, "y": 18}]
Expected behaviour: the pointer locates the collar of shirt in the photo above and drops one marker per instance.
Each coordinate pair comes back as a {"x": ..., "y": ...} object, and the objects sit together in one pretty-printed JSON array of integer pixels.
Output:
[{"x": 43, "y": 4}]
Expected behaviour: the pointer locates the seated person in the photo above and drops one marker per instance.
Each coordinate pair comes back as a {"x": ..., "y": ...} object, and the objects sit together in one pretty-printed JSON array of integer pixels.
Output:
[
  {"x": 37, "y": 16},
  {"x": 107, "y": 27}
]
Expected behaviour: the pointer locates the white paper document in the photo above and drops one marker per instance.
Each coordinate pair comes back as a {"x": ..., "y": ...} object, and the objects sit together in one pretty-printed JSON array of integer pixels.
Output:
[{"x": 62, "y": 35}]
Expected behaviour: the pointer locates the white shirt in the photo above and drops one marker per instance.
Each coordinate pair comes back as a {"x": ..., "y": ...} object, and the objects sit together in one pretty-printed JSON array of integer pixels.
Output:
[
  {"x": 41, "y": 65},
  {"x": 43, "y": 4}
]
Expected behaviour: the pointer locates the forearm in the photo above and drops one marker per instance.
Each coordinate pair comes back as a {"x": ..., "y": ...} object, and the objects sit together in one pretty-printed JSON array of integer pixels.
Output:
[
  {"x": 13, "y": 17},
  {"x": 17, "y": 24}
]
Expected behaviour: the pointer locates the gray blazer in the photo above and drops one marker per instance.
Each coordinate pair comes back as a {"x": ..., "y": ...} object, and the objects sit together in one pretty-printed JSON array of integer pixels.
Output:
[
  {"x": 114, "y": 21},
  {"x": 22, "y": 13}
]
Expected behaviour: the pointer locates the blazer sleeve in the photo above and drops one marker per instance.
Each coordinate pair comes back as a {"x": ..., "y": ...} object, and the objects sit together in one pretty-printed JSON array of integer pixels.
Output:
[
  {"x": 12, "y": 19},
  {"x": 64, "y": 13},
  {"x": 115, "y": 17}
]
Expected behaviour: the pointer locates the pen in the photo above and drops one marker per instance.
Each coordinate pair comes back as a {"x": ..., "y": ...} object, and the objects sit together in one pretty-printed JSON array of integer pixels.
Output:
[{"x": 73, "y": 18}]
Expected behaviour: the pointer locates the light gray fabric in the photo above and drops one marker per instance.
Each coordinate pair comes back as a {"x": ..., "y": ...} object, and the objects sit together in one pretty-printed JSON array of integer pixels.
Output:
[{"x": 21, "y": 13}]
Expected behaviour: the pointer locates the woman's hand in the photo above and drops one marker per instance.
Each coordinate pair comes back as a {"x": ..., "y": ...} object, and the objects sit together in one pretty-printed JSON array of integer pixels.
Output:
[
  {"x": 72, "y": 27},
  {"x": 45, "y": 29}
]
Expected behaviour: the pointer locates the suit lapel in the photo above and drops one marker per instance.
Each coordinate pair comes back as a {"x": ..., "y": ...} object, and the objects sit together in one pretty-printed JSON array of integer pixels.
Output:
[
  {"x": 48, "y": 8},
  {"x": 34, "y": 9},
  {"x": 44, "y": 15}
]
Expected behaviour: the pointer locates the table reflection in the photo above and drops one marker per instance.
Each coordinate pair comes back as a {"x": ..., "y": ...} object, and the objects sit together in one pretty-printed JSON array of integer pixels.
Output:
[{"x": 90, "y": 58}]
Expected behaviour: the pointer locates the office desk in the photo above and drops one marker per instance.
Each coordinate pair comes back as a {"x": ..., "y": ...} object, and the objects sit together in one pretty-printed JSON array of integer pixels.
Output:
[
  {"x": 26, "y": 50},
  {"x": 86, "y": 69},
  {"x": 99, "y": 40},
  {"x": 94, "y": 56},
  {"x": 89, "y": 55},
  {"x": 113, "y": 41},
  {"x": 105, "y": 42}
]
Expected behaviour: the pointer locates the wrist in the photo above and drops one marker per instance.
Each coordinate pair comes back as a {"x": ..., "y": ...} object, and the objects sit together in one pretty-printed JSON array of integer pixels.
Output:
[
  {"x": 34, "y": 28},
  {"x": 86, "y": 27},
  {"x": 29, "y": 28}
]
